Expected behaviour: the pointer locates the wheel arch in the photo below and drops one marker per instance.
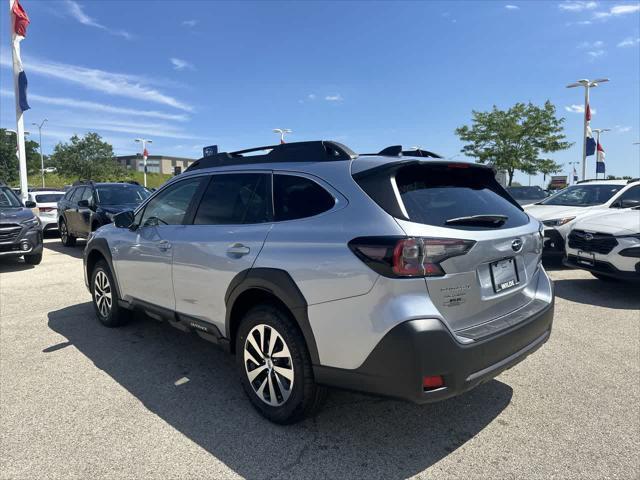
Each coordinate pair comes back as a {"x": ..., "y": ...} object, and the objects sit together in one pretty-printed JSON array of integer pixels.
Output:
[
  {"x": 97, "y": 250},
  {"x": 260, "y": 285}
]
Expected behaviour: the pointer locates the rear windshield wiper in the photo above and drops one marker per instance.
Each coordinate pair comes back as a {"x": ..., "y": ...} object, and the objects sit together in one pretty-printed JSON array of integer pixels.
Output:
[{"x": 490, "y": 220}]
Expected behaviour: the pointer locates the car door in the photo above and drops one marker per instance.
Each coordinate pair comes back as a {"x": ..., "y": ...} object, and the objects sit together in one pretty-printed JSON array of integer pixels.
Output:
[
  {"x": 143, "y": 256},
  {"x": 83, "y": 214},
  {"x": 229, "y": 228},
  {"x": 71, "y": 212}
]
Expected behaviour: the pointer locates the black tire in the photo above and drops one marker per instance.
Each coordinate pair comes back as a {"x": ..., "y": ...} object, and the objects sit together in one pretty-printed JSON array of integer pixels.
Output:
[
  {"x": 68, "y": 240},
  {"x": 604, "y": 278},
  {"x": 114, "y": 315},
  {"x": 34, "y": 259},
  {"x": 305, "y": 397}
]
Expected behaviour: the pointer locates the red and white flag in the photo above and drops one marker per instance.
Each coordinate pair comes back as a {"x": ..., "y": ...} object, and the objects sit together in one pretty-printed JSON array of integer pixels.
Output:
[
  {"x": 20, "y": 22},
  {"x": 587, "y": 113},
  {"x": 145, "y": 154}
]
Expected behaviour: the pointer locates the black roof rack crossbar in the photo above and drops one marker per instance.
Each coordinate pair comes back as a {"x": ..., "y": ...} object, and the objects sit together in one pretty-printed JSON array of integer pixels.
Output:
[
  {"x": 314, "y": 151},
  {"x": 397, "y": 151}
]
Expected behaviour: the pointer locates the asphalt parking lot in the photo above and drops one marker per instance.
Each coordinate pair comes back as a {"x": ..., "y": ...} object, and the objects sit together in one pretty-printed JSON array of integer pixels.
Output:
[{"x": 78, "y": 400}]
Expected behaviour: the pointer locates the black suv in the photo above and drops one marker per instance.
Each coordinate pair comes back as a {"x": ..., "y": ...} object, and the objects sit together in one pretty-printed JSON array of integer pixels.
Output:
[
  {"x": 87, "y": 206},
  {"x": 20, "y": 229}
]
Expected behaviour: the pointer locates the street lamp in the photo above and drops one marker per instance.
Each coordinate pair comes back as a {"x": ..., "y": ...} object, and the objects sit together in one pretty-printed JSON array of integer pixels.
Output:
[
  {"x": 598, "y": 131},
  {"x": 144, "y": 142},
  {"x": 587, "y": 84},
  {"x": 282, "y": 132},
  {"x": 41, "y": 157}
]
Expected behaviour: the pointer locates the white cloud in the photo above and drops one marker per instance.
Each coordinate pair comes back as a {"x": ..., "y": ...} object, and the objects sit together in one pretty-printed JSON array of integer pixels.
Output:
[
  {"x": 189, "y": 23},
  {"x": 596, "y": 53},
  {"x": 98, "y": 107},
  {"x": 577, "y": 6},
  {"x": 596, "y": 44},
  {"x": 622, "y": 129},
  {"x": 334, "y": 98},
  {"x": 512, "y": 7},
  {"x": 179, "y": 64},
  {"x": 117, "y": 84},
  {"x": 161, "y": 130},
  {"x": 618, "y": 10},
  {"x": 629, "y": 42},
  {"x": 75, "y": 10},
  {"x": 311, "y": 96},
  {"x": 578, "y": 109}
]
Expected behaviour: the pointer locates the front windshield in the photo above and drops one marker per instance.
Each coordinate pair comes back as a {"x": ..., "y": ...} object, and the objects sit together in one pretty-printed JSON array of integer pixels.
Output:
[
  {"x": 583, "y": 195},
  {"x": 527, "y": 193},
  {"x": 121, "y": 194},
  {"x": 8, "y": 199}
]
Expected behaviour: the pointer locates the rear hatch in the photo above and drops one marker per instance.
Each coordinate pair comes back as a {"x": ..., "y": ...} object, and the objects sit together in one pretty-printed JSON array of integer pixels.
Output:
[{"x": 490, "y": 275}]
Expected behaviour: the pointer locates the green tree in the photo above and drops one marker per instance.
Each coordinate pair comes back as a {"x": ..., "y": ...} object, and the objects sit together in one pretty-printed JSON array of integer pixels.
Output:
[
  {"x": 546, "y": 166},
  {"x": 9, "y": 170},
  {"x": 513, "y": 139},
  {"x": 87, "y": 158}
]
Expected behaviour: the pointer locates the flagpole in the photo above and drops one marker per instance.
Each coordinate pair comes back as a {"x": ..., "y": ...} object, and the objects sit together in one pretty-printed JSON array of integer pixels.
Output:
[
  {"x": 597, "y": 152},
  {"x": 22, "y": 158},
  {"x": 584, "y": 134}
]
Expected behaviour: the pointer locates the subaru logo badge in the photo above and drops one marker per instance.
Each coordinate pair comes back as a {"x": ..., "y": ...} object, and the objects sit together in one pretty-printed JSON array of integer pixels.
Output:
[
  {"x": 516, "y": 245},
  {"x": 588, "y": 237}
]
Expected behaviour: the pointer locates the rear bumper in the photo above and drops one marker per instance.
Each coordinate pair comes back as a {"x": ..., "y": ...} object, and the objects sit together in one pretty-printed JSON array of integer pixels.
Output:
[
  {"x": 605, "y": 268},
  {"x": 418, "y": 348}
]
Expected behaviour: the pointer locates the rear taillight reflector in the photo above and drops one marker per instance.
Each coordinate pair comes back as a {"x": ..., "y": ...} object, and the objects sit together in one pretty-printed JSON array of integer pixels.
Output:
[
  {"x": 432, "y": 382},
  {"x": 46, "y": 209}
]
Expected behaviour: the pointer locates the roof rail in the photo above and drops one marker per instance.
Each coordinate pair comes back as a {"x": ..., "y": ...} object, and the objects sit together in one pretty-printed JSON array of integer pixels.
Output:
[
  {"x": 397, "y": 151},
  {"x": 82, "y": 182},
  {"x": 314, "y": 151}
]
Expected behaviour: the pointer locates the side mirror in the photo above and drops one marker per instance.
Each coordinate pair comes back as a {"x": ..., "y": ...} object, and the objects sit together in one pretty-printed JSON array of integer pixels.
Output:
[
  {"x": 629, "y": 203},
  {"x": 124, "y": 219},
  {"x": 30, "y": 204},
  {"x": 83, "y": 204}
]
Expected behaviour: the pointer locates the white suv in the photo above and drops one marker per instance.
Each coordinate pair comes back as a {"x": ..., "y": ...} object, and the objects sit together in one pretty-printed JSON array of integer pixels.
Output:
[
  {"x": 559, "y": 212},
  {"x": 607, "y": 244}
]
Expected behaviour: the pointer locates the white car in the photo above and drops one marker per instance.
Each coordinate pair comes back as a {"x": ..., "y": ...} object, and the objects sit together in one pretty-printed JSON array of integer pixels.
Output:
[
  {"x": 607, "y": 244},
  {"x": 559, "y": 212},
  {"x": 46, "y": 207}
]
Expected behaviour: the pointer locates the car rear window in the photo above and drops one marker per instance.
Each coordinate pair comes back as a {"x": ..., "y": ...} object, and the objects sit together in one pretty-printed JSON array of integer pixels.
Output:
[
  {"x": 49, "y": 197},
  {"x": 436, "y": 194}
]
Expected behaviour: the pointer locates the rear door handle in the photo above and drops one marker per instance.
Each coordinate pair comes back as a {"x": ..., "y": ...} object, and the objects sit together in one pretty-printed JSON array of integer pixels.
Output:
[
  {"x": 164, "y": 245},
  {"x": 238, "y": 249}
]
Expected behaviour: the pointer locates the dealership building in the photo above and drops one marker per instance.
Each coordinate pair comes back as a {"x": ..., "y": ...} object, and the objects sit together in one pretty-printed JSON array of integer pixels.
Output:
[{"x": 156, "y": 163}]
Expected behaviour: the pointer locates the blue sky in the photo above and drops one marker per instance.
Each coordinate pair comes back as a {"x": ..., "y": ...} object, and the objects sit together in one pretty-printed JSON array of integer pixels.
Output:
[{"x": 370, "y": 74}]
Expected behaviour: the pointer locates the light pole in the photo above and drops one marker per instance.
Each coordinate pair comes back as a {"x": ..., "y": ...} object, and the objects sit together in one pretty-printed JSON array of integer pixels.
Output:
[
  {"x": 587, "y": 84},
  {"x": 144, "y": 142},
  {"x": 573, "y": 170},
  {"x": 598, "y": 131},
  {"x": 41, "y": 157},
  {"x": 282, "y": 132}
]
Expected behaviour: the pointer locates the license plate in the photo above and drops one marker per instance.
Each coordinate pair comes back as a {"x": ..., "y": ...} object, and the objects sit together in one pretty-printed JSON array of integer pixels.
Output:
[
  {"x": 504, "y": 274},
  {"x": 586, "y": 258}
]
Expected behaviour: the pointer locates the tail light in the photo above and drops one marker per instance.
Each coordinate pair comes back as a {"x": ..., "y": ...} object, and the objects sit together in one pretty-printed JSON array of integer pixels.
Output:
[
  {"x": 46, "y": 209},
  {"x": 408, "y": 257}
]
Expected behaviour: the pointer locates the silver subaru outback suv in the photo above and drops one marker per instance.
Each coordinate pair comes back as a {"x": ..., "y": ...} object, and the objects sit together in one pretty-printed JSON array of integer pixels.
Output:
[{"x": 399, "y": 273}]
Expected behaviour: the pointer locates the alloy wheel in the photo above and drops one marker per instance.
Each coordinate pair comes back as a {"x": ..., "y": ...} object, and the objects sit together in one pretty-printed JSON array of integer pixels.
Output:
[
  {"x": 269, "y": 366},
  {"x": 63, "y": 231},
  {"x": 102, "y": 293}
]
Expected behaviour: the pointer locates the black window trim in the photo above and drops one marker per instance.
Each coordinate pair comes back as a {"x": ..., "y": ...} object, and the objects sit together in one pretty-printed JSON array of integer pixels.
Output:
[
  {"x": 340, "y": 201},
  {"x": 194, "y": 207}
]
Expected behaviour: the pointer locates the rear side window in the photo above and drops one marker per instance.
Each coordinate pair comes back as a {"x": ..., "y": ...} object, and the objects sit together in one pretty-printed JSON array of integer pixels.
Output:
[
  {"x": 438, "y": 194},
  {"x": 235, "y": 199},
  {"x": 298, "y": 197}
]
